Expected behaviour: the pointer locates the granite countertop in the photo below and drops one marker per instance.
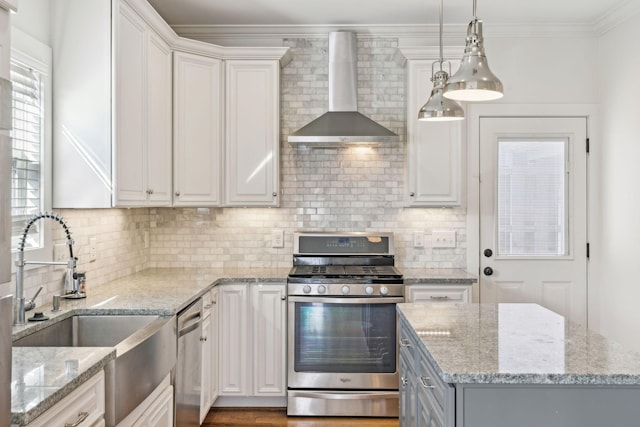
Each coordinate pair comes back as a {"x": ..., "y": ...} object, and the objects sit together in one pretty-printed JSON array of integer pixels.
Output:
[
  {"x": 516, "y": 344},
  {"x": 439, "y": 276},
  {"x": 40, "y": 377},
  {"x": 154, "y": 291}
]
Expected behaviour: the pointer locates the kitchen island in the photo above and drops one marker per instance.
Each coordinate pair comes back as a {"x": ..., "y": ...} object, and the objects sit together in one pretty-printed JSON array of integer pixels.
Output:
[{"x": 491, "y": 365}]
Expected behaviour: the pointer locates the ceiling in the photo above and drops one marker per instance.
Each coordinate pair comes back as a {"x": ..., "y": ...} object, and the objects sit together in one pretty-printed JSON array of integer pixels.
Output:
[{"x": 380, "y": 12}]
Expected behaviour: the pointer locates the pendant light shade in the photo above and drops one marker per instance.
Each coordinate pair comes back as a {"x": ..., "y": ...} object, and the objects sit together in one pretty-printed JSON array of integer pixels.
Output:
[
  {"x": 474, "y": 81},
  {"x": 438, "y": 108}
]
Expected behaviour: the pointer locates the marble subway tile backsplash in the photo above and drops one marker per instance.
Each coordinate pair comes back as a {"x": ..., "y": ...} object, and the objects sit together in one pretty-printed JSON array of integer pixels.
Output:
[{"x": 340, "y": 189}]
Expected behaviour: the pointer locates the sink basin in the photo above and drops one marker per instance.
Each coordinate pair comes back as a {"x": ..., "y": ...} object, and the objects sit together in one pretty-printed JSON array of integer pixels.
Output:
[
  {"x": 146, "y": 349},
  {"x": 86, "y": 331}
]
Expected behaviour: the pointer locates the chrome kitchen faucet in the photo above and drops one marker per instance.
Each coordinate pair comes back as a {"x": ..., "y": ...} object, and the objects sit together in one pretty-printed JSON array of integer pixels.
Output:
[{"x": 21, "y": 305}]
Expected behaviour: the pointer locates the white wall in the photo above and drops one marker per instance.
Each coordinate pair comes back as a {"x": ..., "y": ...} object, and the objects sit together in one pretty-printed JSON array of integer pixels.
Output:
[
  {"x": 616, "y": 262},
  {"x": 33, "y": 19}
]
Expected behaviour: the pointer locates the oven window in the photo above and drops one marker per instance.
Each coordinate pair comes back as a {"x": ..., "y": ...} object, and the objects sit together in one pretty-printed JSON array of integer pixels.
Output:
[{"x": 355, "y": 338}]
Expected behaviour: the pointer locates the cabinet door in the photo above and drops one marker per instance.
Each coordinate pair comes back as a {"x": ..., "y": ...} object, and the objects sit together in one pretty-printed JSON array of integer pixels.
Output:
[
  {"x": 130, "y": 109},
  {"x": 198, "y": 96},
  {"x": 160, "y": 413},
  {"x": 205, "y": 381},
  {"x": 233, "y": 340},
  {"x": 408, "y": 404},
  {"x": 433, "y": 148},
  {"x": 142, "y": 144},
  {"x": 214, "y": 347},
  {"x": 159, "y": 120},
  {"x": 252, "y": 133},
  {"x": 269, "y": 339}
]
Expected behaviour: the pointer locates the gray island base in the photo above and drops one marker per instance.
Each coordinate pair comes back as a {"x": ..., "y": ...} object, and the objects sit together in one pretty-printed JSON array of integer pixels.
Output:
[{"x": 511, "y": 365}]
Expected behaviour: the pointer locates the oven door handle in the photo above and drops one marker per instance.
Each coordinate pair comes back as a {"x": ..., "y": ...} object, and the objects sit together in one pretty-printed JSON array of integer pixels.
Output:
[{"x": 347, "y": 300}]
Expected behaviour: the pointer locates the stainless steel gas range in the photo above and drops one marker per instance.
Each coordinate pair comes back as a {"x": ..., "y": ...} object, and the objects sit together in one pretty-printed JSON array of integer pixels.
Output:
[{"x": 342, "y": 326}]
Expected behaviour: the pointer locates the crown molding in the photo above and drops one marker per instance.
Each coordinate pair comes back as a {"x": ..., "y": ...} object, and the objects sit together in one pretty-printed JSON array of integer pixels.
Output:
[
  {"x": 617, "y": 16},
  {"x": 272, "y": 35}
]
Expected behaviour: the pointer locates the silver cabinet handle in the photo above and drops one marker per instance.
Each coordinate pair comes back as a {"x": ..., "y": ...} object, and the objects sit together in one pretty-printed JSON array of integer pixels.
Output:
[
  {"x": 203, "y": 339},
  {"x": 404, "y": 381},
  {"x": 404, "y": 342},
  {"x": 425, "y": 382},
  {"x": 177, "y": 194},
  {"x": 274, "y": 194},
  {"x": 81, "y": 417},
  {"x": 412, "y": 194},
  {"x": 443, "y": 298}
]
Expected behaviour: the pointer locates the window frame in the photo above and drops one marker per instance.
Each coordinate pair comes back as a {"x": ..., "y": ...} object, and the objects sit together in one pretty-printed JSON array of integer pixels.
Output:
[{"x": 32, "y": 53}]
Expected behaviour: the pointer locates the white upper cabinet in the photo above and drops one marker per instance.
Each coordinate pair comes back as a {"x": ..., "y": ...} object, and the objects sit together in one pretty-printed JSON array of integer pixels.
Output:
[
  {"x": 114, "y": 141},
  {"x": 434, "y": 149},
  {"x": 198, "y": 130},
  {"x": 252, "y": 133},
  {"x": 112, "y": 105},
  {"x": 143, "y": 104}
]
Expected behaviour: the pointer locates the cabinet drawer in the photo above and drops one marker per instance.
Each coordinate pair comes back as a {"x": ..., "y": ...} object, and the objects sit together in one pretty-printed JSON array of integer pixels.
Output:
[
  {"x": 439, "y": 293},
  {"x": 85, "y": 403},
  {"x": 431, "y": 382},
  {"x": 407, "y": 343}
]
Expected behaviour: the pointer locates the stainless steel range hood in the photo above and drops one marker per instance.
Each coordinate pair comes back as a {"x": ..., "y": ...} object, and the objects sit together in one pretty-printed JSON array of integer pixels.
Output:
[{"x": 342, "y": 125}]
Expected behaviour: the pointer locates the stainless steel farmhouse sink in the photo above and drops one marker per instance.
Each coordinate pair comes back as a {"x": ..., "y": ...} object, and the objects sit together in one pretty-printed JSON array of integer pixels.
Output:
[{"x": 146, "y": 349}]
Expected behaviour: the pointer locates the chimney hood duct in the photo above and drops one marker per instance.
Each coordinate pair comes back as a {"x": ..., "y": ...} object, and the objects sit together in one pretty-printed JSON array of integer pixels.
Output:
[{"x": 342, "y": 125}]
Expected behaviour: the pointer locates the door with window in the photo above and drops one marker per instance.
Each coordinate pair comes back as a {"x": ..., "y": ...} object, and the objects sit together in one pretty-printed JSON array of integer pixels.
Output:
[{"x": 533, "y": 212}]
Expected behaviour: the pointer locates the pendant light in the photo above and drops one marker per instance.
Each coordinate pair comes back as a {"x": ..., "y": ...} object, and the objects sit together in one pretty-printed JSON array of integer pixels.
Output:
[
  {"x": 474, "y": 81},
  {"x": 439, "y": 108}
]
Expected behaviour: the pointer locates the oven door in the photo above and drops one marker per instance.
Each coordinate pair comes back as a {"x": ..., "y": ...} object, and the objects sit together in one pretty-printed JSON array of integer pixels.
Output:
[{"x": 342, "y": 343}]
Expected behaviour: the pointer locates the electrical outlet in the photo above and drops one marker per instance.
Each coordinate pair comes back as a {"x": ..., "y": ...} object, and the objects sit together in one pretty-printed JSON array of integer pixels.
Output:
[
  {"x": 92, "y": 249},
  {"x": 277, "y": 238},
  {"x": 444, "y": 238},
  {"x": 418, "y": 239}
]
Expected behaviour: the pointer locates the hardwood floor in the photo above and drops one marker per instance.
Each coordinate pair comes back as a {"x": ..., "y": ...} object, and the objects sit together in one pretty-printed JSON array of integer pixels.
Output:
[{"x": 274, "y": 417}]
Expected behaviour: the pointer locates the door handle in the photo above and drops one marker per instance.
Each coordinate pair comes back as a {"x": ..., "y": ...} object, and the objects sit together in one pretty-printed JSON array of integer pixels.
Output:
[
  {"x": 488, "y": 271},
  {"x": 488, "y": 253}
]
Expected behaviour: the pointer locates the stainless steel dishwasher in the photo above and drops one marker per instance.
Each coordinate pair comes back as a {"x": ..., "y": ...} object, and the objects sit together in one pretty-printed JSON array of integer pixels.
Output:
[{"x": 189, "y": 366}]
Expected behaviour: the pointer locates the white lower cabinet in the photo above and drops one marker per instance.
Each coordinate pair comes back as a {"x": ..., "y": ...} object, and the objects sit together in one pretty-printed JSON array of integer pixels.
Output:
[
  {"x": 252, "y": 342},
  {"x": 209, "y": 372},
  {"x": 438, "y": 293},
  {"x": 84, "y": 407},
  {"x": 155, "y": 411}
]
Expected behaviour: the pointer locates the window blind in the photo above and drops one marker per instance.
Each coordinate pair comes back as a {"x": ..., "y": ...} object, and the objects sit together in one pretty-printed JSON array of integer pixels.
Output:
[{"x": 27, "y": 140}]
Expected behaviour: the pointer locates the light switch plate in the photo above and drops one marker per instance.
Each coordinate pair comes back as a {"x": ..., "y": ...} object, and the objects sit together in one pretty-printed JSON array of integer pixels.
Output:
[
  {"x": 418, "y": 239},
  {"x": 444, "y": 238},
  {"x": 277, "y": 238}
]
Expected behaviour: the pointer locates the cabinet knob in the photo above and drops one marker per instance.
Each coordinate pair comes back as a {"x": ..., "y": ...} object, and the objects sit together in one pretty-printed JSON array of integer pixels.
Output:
[
  {"x": 412, "y": 194},
  {"x": 177, "y": 194},
  {"x": 274, "y": 194},
  {"x": 150, "y": 191}
]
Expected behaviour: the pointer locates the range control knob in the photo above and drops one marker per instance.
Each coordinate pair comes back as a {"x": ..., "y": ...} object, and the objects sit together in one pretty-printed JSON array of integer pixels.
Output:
[
  {"x": 345, "y": 290},
  {"x": 306, "y": 289},
  {"x": 322, "y": 289},
  {"x": 384, "y": 290},
  {"x": 369, "y": 290}
]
